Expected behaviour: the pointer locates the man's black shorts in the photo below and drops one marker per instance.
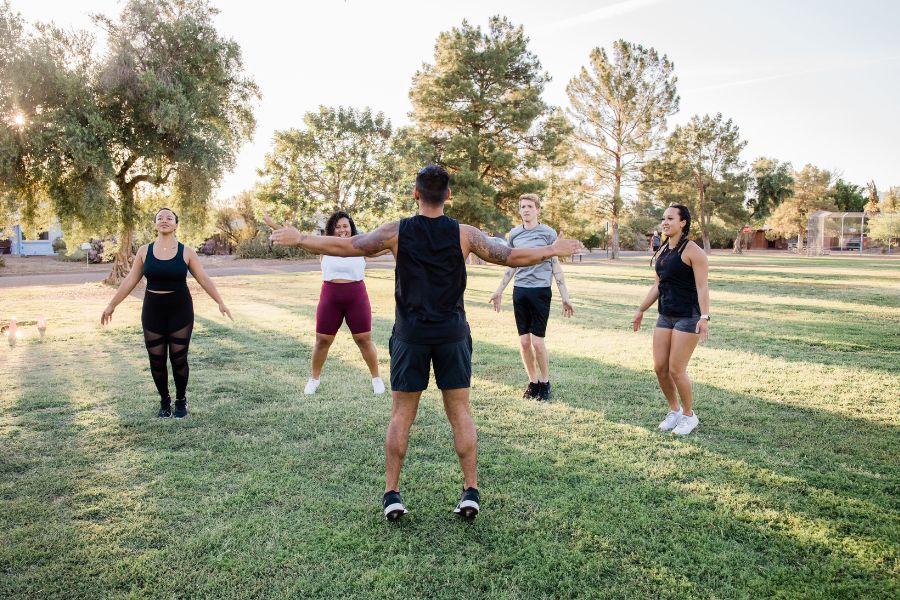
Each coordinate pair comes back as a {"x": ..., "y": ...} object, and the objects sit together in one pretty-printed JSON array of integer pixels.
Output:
[
  {"x": 532, "y": 309},
  {"x": 411, "y": 364}
]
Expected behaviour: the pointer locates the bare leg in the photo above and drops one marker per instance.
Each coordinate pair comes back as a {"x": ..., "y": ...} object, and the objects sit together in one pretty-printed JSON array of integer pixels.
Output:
[
  {"x": 527, "y": 353},
  {"x": 543, "y": 359},
  {"x": 662, "y": 341},
  {"x": 368, "y": 351},
  {"x": 320, "y": 353},
  {"x": 682, "y": 347},
  {"x": 465, "y": 439},
  {"x": 403, "y": 413}
]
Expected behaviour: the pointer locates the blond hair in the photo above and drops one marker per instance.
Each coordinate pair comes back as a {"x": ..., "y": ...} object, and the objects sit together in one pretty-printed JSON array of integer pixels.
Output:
[{"x": 532, "y": 198}]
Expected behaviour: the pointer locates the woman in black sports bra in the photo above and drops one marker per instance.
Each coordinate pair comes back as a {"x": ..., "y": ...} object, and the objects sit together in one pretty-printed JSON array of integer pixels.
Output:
[
  {"x": 682, "y": 273},
  {"x": 168, "y": 312}
]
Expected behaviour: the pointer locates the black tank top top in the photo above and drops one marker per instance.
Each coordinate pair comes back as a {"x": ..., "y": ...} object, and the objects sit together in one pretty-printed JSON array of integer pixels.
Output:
[
  {"x": 166, "y": 275},
  {"x": 430, "y": 280},
  {"x": 677, "y": 287}
]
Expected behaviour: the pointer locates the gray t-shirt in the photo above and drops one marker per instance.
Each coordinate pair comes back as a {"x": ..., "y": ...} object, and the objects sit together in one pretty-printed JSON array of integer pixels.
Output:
[{"x": 539, "y": 275}]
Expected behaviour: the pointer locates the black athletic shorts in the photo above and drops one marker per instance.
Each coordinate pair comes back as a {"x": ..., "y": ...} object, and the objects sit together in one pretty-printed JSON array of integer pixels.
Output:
[
  {"x": 411, "y": 364},
  {"x": 532, "y": 309}
]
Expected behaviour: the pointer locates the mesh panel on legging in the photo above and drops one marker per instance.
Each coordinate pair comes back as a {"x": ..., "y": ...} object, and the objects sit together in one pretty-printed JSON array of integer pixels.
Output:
[
  {"x": 156, "y": 348},
  {"x": 178, "y": 350}
]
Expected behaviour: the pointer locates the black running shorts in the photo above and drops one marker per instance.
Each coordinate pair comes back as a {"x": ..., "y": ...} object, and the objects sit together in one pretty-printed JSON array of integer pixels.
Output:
[
  {"x": 411, "y": 364},
  {"x": 532, "y": 309}
]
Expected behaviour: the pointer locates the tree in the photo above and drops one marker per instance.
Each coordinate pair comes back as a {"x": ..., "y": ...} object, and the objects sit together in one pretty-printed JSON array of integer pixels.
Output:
[
  {"x": 620, "y": 109},
  {"x": 772, "y": 181},
  {"x": 479, "y": 110},
  {"x": 885, "y": 228},
  {"x": 165, "y": 105},
  {"x": 708, "y": 149},
  {"x": 873, "y": 205},
  {"x": 341, "y": 160},
  {"x": 566, "y": 206},
  {"x": 811, "y": 193},
  {"x": 891, "y": 201},
  {"x": 847, "y": 196}
]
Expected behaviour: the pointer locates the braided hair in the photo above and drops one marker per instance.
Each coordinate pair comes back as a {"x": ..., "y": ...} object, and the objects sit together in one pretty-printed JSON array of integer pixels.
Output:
[
  {"x": 337, "y": 216},
  {"x": 684, "y": 215}
]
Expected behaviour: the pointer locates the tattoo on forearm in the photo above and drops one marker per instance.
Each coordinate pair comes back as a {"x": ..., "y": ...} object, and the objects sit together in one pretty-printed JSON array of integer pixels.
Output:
[
  {"x": 489, "y": 249},
  {"x": 376, "y": 241}
]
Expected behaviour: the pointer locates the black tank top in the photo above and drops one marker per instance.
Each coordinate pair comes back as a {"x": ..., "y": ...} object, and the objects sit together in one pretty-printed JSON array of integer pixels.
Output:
[
  {"x": 430, "y": 280},
  {"x": 166, "y": 275},
  {"x": 677, "y": 287}
]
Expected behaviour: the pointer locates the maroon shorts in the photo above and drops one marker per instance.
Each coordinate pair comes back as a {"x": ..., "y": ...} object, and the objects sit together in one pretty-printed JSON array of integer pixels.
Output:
[{"x": 339, "y": 301}]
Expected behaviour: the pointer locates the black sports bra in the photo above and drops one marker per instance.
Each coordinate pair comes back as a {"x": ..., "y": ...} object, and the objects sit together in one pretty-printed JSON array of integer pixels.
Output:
[{"x": 166, "y": 275}]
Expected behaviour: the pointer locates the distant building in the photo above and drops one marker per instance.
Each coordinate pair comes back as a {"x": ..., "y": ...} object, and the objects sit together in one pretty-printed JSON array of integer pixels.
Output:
[{"x": 20, "y": 245}]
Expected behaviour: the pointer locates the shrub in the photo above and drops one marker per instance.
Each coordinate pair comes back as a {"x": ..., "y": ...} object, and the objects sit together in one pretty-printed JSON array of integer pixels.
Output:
[
  {"x": 59, "y": 245},
  {"x": 260, "y": 247},
  {"x": 2, "y": 262}
]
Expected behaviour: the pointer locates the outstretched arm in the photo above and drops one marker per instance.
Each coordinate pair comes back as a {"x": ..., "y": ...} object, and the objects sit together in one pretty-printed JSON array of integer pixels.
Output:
[
  {"x": 560, "y": 278},
  {"x": 366, "y": 244},
  {"x": 493, "y": 250},
  {"x": 205, "y": 281},
  {"x": 127, "y": 285}
]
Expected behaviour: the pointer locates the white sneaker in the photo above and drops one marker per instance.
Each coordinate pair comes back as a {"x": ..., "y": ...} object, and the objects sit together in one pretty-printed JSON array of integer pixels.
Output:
[
  {"x": 377, "y": 385},
  {"x": 311, "y": 386},
  {"x": 671, "y": 420},
  {"x": 686, "y": 424}
]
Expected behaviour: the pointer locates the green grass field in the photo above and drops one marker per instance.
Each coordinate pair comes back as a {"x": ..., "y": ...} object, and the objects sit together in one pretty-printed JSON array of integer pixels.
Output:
[{"x": 789, "y": 488}]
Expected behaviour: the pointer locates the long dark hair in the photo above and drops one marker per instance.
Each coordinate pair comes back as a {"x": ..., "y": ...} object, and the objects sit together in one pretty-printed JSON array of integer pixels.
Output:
[
  {"x": 685, "y": 215},
  {"x": 337, "y": 216}
]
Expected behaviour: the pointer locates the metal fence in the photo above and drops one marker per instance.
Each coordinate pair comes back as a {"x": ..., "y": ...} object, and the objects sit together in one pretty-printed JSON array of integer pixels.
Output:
[{"x": 852, "y": 232}]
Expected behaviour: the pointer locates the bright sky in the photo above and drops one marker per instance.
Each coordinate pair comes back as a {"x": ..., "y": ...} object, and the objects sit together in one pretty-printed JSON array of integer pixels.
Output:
[{"x": 805, "y": 81}]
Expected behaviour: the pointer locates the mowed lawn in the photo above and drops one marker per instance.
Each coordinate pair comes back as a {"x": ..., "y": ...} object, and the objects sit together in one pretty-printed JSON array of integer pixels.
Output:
[{"x": 790, "y": 487}]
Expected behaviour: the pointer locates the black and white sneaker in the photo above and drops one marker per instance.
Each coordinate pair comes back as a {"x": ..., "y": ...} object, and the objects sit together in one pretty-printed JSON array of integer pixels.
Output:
[
  {"x": 468, "y": 505},
  {"x": 181, "y": 410},
  {"x": 165, "y": 408},
  {"x": 531, "y": 391},
  {"x": 393, "y": 506},
  {"x": 544, "y": 391}
]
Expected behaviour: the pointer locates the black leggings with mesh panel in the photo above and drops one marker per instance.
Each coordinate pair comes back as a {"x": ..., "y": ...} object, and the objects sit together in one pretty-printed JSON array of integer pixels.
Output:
[{"x": 168, "y": 320}]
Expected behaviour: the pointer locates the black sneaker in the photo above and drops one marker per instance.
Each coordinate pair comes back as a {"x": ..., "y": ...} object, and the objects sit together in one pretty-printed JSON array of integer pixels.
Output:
[
  {"x": 468, "y": 505},
  {"x": 543, "y": 392},
  {"x": 180, "y": 408},
  {"x": 165, "y": 408},
  {"x": 531, "y": 391},
  {"x": 393, "y": 506}
]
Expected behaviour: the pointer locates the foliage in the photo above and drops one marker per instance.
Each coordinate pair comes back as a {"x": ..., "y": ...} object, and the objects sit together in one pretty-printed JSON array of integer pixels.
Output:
[
  {"x": 164, "y": 104},
  {"x": 847, "y": 196},
  {"x": 259, "y": 246},
  {"x": 811, "y": 193},
  {"x": 891, "y": 201},
  {"x": 620, "y": 109},
  {"x": 885, "y": 228},
  {"x": 478, "y": 111},
  {"x": 873, "y": 205},
  {"x": 772, "y": 183},
  {"x": 59, "y": 245},
  {"x": 341, "y": 160}
]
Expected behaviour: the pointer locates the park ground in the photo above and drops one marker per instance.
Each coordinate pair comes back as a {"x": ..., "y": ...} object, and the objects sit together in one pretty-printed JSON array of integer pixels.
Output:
[{"x": 789, "y": 487}]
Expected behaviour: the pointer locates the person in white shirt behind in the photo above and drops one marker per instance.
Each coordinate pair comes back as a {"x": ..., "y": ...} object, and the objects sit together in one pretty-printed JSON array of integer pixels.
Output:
[{"x": 343, "y": 297}]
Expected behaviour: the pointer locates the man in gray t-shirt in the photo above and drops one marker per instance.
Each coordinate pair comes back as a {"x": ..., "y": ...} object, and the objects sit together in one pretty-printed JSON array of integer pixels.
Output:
[{"x": 532, "y": 296}]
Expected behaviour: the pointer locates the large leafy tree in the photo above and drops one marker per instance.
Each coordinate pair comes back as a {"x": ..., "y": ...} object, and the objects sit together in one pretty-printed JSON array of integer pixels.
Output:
[
  {"x": 707, "y": 150},
  {"x": 478, "y": 108},
  {"x": 341, "y": 160},
  {"x": 772, "y": 182},
  {"x": 620, "y": 107},
  {"x": 891, "y": 201},
  {"x": 847, "y": 196},
  {"x": 811, "y": 193},
  {"x": 165, "y": 105}
]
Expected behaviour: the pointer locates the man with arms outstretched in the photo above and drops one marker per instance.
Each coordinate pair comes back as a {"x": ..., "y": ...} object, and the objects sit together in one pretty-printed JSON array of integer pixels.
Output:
[{"x": 430, "y": 325}]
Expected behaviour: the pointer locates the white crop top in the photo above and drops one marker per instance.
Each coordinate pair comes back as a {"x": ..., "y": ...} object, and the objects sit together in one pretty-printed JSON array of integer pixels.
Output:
[{"x": 351, "y": 268}]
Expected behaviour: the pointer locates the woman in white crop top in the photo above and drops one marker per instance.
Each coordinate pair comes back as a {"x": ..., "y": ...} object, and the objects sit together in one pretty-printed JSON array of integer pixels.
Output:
[{"x": 343, "y": 297}]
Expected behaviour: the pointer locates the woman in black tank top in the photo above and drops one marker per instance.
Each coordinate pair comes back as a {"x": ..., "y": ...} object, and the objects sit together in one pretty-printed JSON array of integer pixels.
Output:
[
  {"x": 681, "y": 287},
  {"x": 168, "y": 311}
]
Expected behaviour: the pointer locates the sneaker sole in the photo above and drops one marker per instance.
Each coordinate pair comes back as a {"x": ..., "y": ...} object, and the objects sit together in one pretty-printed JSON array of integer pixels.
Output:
[
  {"x": 394, "y": 511},
  {"x": 467, "y": 509}
]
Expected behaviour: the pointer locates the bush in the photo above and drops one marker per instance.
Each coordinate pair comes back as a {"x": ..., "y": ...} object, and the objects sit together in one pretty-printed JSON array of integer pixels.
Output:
[
  {"x": 75, "y": 256},
  {"x": 2, "y": 262},
  {"x": 592, "y": 241},
  {"x": 59, "y": 245},
  {"x": 260, "y": 247}
]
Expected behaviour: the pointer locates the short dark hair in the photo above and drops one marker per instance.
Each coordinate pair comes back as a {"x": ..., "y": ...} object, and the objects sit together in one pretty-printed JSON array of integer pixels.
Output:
[
  {"x": 433, "y": 184},
  {"x": 168, "y": 209},
  {"x": 337, "y": 216}
]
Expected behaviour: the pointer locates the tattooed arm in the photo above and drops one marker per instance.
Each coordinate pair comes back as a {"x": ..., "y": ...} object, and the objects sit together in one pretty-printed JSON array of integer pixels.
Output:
[
  {"x": 494, "y": 250},
  {"x": 367, "y": 244}
]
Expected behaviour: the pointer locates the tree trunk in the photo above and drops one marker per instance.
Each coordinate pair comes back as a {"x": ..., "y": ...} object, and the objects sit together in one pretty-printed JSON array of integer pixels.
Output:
[
  {"x": 739, "y": 243},
  {"x": 701, "y": 188},
  {"x": 614, "y": 248},
  {"x": 124, "y": 257},
  {"x": 617, "y": 201}
]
